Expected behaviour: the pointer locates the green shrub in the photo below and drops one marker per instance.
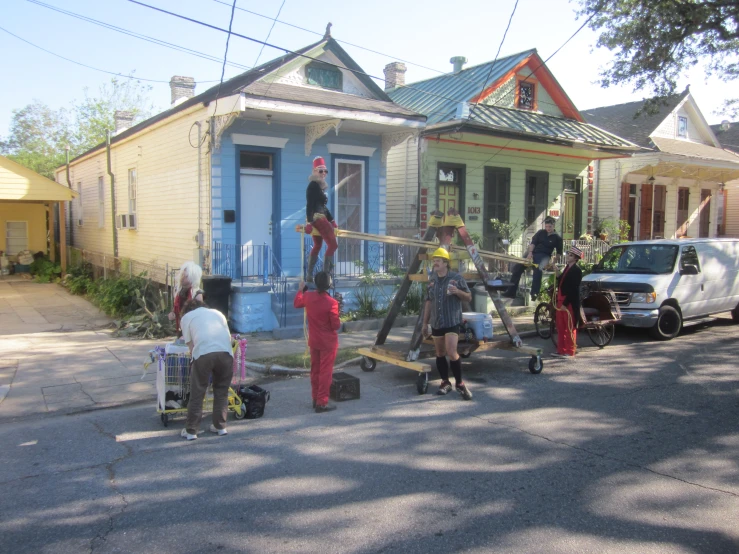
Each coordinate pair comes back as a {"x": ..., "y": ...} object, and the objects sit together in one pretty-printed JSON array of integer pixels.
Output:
[
  {"x": 79, "y": 278},
  {"x": 45, "y": 271},
  {"x": 414, "y": 301}
]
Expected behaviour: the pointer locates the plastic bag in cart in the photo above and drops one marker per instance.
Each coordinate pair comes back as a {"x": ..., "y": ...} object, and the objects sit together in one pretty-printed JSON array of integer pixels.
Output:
[{"x": 255, "y": 398}]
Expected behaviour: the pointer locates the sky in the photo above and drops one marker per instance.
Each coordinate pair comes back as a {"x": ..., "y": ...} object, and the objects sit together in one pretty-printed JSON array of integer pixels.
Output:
[{"x": 423, "y": 34}]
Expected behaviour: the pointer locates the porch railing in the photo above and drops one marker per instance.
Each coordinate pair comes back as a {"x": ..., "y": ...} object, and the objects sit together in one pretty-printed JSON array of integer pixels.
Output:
[{"x": 243, "y": 262}]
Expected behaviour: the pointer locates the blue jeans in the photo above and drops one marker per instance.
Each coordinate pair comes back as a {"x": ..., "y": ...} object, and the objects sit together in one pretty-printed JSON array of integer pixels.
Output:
[{"x": 542, "y": 260}]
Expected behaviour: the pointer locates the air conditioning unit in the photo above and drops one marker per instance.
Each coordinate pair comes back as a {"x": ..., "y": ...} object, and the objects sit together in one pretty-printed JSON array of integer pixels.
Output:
[{"x": 126, "y": 221}]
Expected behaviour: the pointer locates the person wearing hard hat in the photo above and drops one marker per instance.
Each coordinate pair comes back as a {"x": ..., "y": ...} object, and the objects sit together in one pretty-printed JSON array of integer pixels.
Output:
[{"x": 442, "y": 318}]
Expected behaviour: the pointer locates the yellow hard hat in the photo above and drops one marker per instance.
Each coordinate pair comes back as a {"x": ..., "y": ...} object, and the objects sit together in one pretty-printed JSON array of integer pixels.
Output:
[{"x": 441, "y": 253}]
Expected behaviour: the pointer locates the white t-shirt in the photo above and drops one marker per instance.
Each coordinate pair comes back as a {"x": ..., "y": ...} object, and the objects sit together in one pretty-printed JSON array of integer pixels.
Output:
[{"x": 208, "y": 330}]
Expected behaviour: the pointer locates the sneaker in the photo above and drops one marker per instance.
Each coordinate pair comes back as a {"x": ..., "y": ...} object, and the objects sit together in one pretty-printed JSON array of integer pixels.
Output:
[
  {"x": 464, "y": 391},
  {"x": 220, "y": 432},
  {"x": 444, "y": 388},
  {"x": 185, "y": 435},
  {"x": 325, "y": 408},
  {"x": 534, "y": 297}
]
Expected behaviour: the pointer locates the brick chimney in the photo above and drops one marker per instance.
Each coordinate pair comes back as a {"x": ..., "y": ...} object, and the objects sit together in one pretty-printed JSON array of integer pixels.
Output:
[
  {"x": 123, "y": 120},
  {"x": 182, "y": 88},
  {"x": 394, "y": 75}
]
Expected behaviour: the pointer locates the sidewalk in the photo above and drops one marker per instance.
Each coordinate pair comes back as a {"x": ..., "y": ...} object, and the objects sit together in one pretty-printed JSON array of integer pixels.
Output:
[{"x": 68, "y": 366}]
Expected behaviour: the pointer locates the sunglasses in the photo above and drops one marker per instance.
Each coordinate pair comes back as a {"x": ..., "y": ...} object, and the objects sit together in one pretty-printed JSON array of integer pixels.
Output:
[{"x": 323, "y": 171}]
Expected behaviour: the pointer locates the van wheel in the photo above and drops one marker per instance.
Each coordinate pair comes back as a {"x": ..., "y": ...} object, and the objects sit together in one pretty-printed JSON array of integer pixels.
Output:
[{"x": 669, "y": 323}]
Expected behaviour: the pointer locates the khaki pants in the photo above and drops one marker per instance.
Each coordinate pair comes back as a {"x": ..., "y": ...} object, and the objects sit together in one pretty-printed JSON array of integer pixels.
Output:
[{"x": 220, "y": 365}]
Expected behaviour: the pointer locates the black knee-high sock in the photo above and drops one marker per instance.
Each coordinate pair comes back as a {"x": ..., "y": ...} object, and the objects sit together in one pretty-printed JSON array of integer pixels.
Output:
[
  {"x": 456, "y": 366},
  {"x": 443, "y": 366}
]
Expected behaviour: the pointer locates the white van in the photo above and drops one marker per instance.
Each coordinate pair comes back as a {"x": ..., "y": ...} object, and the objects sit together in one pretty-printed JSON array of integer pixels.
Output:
[{"x": 661, "y": 283}]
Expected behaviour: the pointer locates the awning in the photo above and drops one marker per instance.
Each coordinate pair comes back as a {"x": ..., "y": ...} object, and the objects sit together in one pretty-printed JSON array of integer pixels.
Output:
[
  {"x": 18, "y": 183},
  {"x": 689, "y": 171}
]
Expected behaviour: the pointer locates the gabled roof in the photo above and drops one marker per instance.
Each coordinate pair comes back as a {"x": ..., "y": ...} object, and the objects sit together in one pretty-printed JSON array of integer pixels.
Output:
[
  {"x": 20, "y": 183},
  {"x": 241, "y": 82},
  {"x": 728, "y": 138},
  {"x": 545, "y": 126},
  {"x": 438, "y": 97},
  {"x": 619, "y": 119}
]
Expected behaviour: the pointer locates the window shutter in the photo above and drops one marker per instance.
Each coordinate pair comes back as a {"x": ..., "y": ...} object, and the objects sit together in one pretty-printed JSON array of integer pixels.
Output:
[{"x": 625, "y": 200}]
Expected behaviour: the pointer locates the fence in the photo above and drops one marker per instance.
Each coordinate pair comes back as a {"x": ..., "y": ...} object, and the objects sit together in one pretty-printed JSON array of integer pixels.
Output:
[
  {"x": 245, "y": 262},
  {"x": 106, "y": 265}
]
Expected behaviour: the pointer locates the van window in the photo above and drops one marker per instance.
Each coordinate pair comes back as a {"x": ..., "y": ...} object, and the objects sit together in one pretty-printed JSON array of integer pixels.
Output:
[
  {"x": 638, "y": 258},
  {"x": 689, "y": 256}
]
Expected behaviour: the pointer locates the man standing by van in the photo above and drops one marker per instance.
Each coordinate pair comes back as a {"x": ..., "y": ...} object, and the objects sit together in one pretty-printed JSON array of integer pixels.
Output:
[{"x": 543, "y": 244}]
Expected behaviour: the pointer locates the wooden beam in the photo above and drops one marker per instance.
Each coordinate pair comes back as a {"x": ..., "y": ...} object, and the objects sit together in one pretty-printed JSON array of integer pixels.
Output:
[
  {"x": 391, "y": 359},
  {"x": 63, "y": 237}
]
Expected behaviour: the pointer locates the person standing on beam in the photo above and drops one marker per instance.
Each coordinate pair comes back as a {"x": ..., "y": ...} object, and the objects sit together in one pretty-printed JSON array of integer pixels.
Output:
[
  {"x": 442, "y": 318},
  {"x": 320, "y": 223}
]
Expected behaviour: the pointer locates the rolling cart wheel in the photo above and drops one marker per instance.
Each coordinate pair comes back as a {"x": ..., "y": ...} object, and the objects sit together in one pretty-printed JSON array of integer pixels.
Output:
[
  {"x": 240, "y": 411},
  {"x": 536, "y": 364},
  {"x": 422, "y": 383},
  {"x": 165, "y": 419},
  {"x": 367, "y": 364}
]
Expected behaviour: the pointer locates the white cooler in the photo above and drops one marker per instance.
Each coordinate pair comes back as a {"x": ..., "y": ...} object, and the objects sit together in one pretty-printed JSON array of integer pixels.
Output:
[{"x": 481, "y": 324}]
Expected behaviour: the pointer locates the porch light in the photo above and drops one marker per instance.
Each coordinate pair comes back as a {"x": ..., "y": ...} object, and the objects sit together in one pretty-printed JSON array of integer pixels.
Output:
[{"x": 651, "y": 179}]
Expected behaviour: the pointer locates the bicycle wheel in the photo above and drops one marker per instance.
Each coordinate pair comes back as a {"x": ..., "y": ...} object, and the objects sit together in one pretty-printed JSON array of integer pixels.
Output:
[
  {"x": 543, "y": 317},
  {"x": 602, "y": 335}
]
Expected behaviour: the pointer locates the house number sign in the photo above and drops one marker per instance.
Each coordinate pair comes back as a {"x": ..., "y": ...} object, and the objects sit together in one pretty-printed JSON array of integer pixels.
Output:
[
  {"x": 473, "y": 210},
  {"x": 554, "y": 213}
]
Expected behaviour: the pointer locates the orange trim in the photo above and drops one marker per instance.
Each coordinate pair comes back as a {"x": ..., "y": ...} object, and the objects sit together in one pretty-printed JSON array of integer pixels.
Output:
[
  {"x": 433, "y": 139},
  {"x": 545, "y": 79}
]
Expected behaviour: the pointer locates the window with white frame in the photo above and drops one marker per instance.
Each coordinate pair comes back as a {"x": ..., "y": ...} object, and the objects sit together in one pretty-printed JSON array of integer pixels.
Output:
[
  {"x": 682, "y": 126},
  {"x": 80, "y": 216},
  {"x": 101, "y": 201},
  {"x": 16, "y": 237},
  {"x": 132, "y": 189}
]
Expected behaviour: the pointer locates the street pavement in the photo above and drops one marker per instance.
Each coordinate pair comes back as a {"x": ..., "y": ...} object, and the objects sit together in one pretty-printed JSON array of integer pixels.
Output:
[{"x": 632, "y": 448}]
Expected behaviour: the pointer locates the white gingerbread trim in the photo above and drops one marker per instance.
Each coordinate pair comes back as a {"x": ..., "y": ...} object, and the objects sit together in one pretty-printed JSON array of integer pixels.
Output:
[
  {"x": 349, "y": 150},
  {"x": 220, "y": 124},
  {"x": 314, "y": 131},
  {"x": 258, "y": 140},
  {"x": 393, "y": 139}
]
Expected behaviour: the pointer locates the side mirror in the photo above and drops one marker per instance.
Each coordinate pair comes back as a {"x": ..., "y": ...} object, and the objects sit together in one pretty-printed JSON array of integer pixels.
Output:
[{"x": 689, "y": 269}]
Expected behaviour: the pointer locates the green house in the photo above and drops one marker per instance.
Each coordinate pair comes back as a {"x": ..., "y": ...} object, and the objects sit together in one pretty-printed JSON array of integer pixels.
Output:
[{"x": 503, "y": 141}]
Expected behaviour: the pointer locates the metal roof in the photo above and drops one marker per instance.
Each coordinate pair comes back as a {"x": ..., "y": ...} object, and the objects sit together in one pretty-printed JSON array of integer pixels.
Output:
[
  {"x": 545, "y": 126},
  {"x": 438, "y": 97}
]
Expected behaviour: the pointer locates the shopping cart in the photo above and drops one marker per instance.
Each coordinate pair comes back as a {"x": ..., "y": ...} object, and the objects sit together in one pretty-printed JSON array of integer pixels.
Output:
[{"x": 174, "y": 364}]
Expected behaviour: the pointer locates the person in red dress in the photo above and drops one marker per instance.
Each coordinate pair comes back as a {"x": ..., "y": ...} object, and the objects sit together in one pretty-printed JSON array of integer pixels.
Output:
[
  {"x": 320, "y": 223},
  {"x": 567, "y": 305},
  {"x": 323, "y": 339}
]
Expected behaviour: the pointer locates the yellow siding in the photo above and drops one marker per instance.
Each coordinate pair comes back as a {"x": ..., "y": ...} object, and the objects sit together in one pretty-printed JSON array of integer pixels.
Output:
[
  {"x": 34, "y": 215},
  {"x": 167, "y": 203},
  {"x": 20, "y": 183}
]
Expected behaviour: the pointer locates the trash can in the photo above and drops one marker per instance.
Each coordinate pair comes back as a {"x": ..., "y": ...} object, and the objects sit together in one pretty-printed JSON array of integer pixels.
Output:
[
  {"x": 217, "y": 289},
  {"x": 481, "y": 302}
]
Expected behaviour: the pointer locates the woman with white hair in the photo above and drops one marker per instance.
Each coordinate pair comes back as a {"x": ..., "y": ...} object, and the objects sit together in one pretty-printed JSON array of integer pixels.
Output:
[{"x": 187, "y": 288}]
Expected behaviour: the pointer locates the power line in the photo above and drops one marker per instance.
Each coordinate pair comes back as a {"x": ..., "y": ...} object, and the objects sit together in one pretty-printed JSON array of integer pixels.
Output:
[
  {"x": 274, "y": 22},
  {"x": 80, "y": 63},
  {"x": 500, "y": 46},
  {"x": 225, "y": 56},
  {"x": 140, "y": 36}
]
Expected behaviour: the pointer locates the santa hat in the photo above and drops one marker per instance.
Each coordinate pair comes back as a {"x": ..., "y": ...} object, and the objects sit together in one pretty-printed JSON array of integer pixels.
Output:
[
  {"x": 575, "y": 251},
  {"x": 318, "y": 161}
]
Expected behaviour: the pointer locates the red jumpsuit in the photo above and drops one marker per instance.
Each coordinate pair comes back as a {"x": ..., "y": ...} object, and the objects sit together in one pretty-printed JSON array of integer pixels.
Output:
[{"x": 323, "y": 340}]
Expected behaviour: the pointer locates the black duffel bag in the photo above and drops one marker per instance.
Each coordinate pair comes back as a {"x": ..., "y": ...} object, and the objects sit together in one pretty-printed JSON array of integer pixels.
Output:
[{"x": 254, "y": 398}]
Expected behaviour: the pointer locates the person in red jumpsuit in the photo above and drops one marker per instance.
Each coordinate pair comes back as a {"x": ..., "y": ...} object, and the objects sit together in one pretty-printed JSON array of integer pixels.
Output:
[
  {"x": 323, "y": 338},
  {"x": 320, "y": 223},
  {"x": 567, "y": 305}
]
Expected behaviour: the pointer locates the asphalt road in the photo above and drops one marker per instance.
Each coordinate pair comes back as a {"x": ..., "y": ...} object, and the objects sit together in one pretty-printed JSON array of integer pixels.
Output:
[{"x": 633, "y": 448}]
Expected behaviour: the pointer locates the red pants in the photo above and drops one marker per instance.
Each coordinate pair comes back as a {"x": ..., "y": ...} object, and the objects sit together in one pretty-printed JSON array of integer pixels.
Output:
[
  {"x": 566, "y": 328},
  {"x": 321, "y": 373},
  {"x": 327, "y": 233}
]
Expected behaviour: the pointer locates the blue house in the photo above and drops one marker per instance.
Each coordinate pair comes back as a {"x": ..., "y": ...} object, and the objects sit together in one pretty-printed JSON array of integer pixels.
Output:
[{"x": 267, "y": 126}]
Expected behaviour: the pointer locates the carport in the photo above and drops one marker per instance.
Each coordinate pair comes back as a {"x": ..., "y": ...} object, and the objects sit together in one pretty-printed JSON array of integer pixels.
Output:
[{"x": 27, "y": 211}]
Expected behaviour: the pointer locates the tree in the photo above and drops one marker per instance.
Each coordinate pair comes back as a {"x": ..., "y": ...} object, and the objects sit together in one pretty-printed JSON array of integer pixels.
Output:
[
  {"x": 656, "y": 41},
  {"x": 39, "y": 135},
  {"x": 38, "y": 138},
  {"x": 94, "y": 116}
]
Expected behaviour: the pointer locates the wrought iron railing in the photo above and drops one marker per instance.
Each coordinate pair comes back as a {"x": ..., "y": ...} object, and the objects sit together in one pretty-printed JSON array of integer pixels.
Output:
[
  {"x": 278, "y": 282},
  {"x": 243, "y": 262},
  {"x": 355, "y": 258}
]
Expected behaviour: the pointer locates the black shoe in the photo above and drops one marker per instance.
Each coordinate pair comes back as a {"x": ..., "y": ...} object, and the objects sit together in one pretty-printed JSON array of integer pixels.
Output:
[
  {"x": 326, "y": 408},
  {"x": 534, "y": 297},
  {"x": 314, "y": 404}
]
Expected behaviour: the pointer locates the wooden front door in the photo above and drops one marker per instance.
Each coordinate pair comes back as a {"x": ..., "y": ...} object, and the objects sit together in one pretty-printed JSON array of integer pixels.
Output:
[
  {"x": 705, "y": 214},
  {"x": 569, "y": 217},
  {"x": 645, "y": 213},
  {"x": 448, "y": 197}
]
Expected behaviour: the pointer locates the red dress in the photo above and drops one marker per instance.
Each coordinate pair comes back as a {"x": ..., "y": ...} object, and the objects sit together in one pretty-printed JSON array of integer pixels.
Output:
[
  {"x": 323, "y": 340},
  {"x": 565, "y": 322}
]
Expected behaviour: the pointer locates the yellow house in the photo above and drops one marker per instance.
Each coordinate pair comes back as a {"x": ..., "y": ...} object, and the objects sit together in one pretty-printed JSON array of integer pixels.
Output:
[{"x": 26, "y": 211}]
